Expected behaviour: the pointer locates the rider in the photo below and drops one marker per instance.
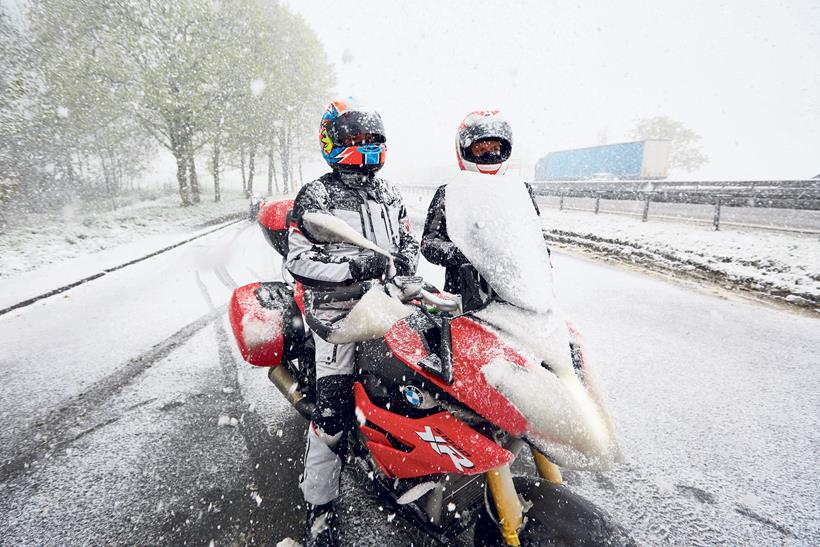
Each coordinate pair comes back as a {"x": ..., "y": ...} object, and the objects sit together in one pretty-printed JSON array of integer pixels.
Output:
[
  {"x": 483, "y": 144},
  {"x": 353, "y": 144}
]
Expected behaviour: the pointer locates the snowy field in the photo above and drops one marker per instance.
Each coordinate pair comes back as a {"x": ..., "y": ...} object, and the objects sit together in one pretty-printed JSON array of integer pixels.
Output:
[
  {"x": 782, "y": 265},
  {"x": 34, "y": 240},
  {"x": 113, "y": 393}
]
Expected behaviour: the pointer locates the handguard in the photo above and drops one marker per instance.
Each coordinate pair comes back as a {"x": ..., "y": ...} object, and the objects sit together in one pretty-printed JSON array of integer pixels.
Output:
[{"x": 368, "y": 319}]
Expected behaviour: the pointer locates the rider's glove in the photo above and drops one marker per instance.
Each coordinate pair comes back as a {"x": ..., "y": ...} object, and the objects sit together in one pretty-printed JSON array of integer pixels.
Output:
[
  {"x": 367, "y": 265},
  {"x": 404, "y": 266}
]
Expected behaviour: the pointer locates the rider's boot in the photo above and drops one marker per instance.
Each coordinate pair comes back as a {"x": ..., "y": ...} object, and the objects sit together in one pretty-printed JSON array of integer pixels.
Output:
[{"x": 320, "y": 526}]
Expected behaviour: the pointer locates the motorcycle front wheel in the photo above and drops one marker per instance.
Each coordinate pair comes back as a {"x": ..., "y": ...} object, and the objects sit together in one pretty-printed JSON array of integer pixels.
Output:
[{"x": 558, "y": 517}]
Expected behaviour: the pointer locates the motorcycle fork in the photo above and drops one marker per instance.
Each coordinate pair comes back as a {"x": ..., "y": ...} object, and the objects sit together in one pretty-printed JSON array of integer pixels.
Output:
[
  {"x": 507, "y": 505},
  {"x": 548, "y": 470}
]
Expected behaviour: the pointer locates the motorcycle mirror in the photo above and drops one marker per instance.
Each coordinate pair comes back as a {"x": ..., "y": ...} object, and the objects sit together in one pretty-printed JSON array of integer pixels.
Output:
[{"x": 331, "y": 229}]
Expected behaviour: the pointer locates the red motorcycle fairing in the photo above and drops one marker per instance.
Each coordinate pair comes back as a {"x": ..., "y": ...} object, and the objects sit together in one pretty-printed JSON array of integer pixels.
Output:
[
  {"x": 439, "y": 443},
  {"x": 473, "y": 347}
]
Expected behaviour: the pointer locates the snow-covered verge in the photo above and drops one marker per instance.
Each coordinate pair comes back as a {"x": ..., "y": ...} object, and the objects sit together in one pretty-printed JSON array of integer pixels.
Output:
[
  {"x": 781, "y": 266},
  {"x": 48, "y": 238}
]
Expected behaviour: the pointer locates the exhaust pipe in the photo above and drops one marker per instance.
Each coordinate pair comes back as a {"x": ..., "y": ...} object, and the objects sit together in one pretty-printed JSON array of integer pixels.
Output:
[{"x": 288, "y": 386}]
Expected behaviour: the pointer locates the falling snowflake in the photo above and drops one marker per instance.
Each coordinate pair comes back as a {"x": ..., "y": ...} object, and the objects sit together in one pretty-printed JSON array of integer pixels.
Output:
[
  {"x": 257, "y": 87},
  {"x": 360, "y": 417}
]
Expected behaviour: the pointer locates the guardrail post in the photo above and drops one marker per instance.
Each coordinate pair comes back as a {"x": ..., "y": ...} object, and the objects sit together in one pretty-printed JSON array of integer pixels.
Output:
[
  {"x": 716, "y": 221},
  {"x": 646, "y": 208},
  {"x": 561, "y": 202},
  {"x": 597, "y": 204}
]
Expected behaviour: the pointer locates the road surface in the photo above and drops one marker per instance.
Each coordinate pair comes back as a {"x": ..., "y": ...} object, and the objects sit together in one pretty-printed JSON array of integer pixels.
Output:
[{"x": 129, "y": 417}]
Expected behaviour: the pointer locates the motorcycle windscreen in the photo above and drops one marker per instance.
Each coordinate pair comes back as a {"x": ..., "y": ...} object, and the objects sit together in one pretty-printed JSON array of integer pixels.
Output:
[{"x": 493, "y": 222}]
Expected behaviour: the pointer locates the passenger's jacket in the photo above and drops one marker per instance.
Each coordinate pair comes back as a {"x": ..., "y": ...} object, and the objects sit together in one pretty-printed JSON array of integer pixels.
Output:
[
  {"x": 374, "y": 209},
  {"x": 436, "y": 245}
]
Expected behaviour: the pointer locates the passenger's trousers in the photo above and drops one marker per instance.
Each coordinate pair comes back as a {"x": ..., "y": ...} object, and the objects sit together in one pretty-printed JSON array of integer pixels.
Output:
[{"x": 333, "y": 415}]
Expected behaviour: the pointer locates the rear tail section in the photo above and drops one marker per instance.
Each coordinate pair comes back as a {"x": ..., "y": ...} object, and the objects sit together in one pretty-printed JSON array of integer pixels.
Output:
[{"x": 274, "y": 217}]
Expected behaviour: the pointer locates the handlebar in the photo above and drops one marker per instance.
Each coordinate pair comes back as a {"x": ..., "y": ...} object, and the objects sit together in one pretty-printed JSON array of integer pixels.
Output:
[
  {"x": 329, "y": 228},
  {"x": 441, "y": 303},
  {"x": 342, "y": 294}
]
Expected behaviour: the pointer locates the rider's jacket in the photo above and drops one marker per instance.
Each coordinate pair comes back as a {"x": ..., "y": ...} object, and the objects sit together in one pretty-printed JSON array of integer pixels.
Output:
[
  {"x": 370, "y": 205},
  {"x": 436, "y": 245}
]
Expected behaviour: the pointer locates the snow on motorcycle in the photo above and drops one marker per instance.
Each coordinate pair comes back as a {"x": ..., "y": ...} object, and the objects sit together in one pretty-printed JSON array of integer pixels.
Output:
[{"x": 450, "y": 390}]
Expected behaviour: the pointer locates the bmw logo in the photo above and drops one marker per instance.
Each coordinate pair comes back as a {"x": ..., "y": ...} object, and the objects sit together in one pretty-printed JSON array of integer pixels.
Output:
[{"x": 413, "y": 396}]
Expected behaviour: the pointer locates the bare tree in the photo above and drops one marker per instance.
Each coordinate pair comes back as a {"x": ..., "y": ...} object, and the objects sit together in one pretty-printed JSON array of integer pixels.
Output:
[{"x": 686, "y": 153}]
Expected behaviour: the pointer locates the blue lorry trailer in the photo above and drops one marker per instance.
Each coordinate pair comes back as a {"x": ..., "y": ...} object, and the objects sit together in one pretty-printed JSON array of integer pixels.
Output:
[{"x": 638, "y": 160}]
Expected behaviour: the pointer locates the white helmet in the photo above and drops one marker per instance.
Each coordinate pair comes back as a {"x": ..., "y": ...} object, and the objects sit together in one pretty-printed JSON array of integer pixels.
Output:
[{"x": 483, "y": 125}]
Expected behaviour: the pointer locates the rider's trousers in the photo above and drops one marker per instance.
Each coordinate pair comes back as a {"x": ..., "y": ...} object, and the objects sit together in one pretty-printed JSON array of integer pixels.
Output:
[{"x": 333, "y": 415}]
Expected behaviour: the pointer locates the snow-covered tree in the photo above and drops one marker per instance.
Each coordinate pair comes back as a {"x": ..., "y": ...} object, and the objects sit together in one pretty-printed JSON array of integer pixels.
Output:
[
  {"x": 686, "y": 153},
  {"x": 279, "y": 93},
  {"x": 13, "y": 93},
  {"x": 64, "y": 133},
  {"x": 111, "y": 76}
]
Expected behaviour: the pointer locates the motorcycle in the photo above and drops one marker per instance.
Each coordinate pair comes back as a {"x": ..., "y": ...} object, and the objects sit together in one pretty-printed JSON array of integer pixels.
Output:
[{"x": 451, "y": 390}]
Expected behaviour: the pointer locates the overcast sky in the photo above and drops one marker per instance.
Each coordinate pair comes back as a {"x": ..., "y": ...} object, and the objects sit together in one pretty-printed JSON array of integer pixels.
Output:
[{"x": 744, "y": 75}]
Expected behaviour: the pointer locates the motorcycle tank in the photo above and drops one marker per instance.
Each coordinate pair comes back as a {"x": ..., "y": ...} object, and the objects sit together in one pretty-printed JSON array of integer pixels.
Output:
[{"x": 494, "y": 223}]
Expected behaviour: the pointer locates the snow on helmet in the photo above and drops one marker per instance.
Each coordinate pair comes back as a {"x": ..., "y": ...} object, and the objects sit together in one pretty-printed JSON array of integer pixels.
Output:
[
  {"x": 483, "y": 125},
  {"x": 345, "y": 118}
]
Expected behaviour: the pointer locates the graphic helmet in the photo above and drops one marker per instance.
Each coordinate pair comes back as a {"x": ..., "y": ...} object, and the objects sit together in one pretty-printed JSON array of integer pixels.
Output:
[
  {"x": 478, "y": 126},
  {"x": 352, "y": 137}
]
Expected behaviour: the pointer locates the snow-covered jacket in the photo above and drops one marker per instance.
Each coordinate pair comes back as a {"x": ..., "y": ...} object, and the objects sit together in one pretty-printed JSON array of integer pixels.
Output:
[
  {"x": 436, "y": 245},
  {"x": 372, "y": 207}
]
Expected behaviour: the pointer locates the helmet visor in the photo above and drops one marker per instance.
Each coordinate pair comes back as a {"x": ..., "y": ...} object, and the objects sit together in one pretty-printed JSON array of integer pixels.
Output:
[
  {"x": 488, "y": 157},
  {"x": 356, "y": 123},
  {"x": 486, "y": 128}
]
